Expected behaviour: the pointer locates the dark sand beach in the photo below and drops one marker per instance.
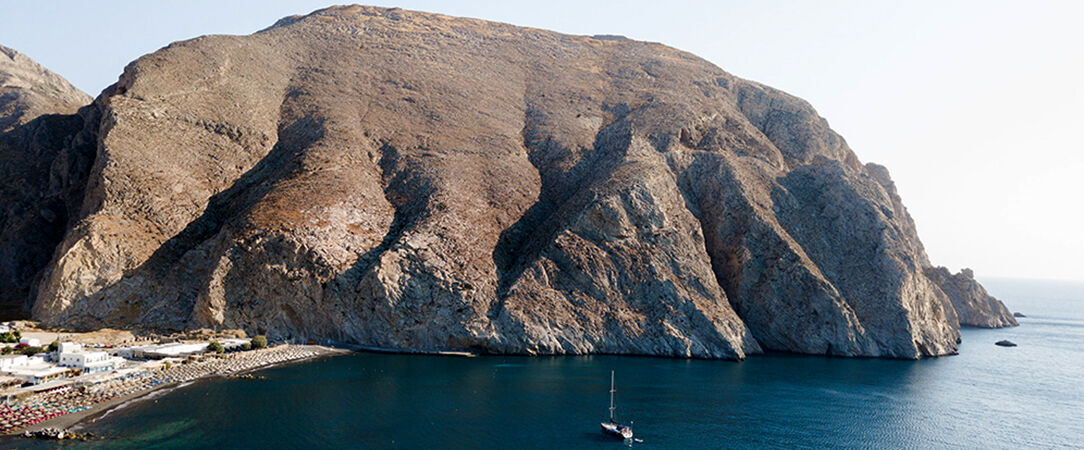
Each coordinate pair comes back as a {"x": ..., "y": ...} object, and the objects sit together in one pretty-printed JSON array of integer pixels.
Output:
[{"x": 122, "y": 393}]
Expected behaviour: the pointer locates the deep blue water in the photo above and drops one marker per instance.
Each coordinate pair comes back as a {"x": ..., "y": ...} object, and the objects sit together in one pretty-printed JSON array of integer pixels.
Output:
[{"x": 986, "y": 397}]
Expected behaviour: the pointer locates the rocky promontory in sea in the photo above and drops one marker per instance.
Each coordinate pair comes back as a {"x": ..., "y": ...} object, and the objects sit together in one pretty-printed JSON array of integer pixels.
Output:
[
  {"x": 400, "y": 179},
  {"x": 974, "y": 306}
]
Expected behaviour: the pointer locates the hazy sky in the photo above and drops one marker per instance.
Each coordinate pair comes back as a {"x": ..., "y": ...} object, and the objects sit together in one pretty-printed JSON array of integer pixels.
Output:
[{"x": 976, "y": 107}]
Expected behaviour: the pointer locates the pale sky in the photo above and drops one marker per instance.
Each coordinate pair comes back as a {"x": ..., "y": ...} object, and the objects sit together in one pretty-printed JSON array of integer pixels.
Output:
[{"x": 975, "y": 106}]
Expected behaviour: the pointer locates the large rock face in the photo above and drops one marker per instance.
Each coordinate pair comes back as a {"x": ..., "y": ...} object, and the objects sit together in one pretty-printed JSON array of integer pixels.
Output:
[
  {"x": 42, "y": 171},
  {"x": 28, "y": 90},
  {"x": 974, "y": 306},
  {"x": 414, "y": 180}
]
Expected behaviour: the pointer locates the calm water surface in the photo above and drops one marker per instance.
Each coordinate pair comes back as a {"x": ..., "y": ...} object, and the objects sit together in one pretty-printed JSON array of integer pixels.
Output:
[{"x": 986, "y": 397}]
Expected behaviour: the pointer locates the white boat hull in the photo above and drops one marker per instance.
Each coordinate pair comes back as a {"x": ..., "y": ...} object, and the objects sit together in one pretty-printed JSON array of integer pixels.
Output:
[{"x": 617, "y": 430}]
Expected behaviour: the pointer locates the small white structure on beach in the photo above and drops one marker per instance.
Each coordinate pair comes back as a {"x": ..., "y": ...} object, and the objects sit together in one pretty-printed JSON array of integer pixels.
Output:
[
  {"x": 33, "y": 342},
  {"x": 45, "y": 387},
  {"x": 135, "y": 352},
  {"x": 174, "y": 350},
  {"x": 234, "y": 343},
  {"x": 103, "y": 377}
]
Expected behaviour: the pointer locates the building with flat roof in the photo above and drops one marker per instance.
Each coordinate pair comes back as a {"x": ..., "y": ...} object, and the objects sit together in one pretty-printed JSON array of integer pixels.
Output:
[
  {"x": 70, "y": 347},
  {"x": 73, "y": 355},
  {"x": 13, "y": 361},
  {"x": 41, "y": 388},
  {"x": 37, "y": 374},
  {"x": 101, "y": 377},
  {"x": 88, "y": 362},
  {"x": 174, "y": 350}
]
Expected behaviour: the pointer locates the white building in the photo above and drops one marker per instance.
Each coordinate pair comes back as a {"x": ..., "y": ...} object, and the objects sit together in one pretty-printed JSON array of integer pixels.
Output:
[
  {"x": 38, "y": 374},
  {"x": 30, "y": 369},
  {"x": 234, "y": 344},
  {"x": 88, "y": 362},
  {"x": 132, "y": 352},
  {"x": 8, "y": 362},
  {"x": 174, "y": 350},
  {"x": 33, "y": 342},
  {"x": 70, "y": 347}
]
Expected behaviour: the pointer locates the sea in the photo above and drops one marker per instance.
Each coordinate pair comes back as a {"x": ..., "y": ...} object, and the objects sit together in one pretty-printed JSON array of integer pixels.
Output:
[{"x": 1029, "y": 396}]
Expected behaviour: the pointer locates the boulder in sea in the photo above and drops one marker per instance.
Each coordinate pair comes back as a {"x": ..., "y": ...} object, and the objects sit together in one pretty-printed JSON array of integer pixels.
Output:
[
  {"x": 1005, "y": 343},
  {"x": 1018, "y": 314}
]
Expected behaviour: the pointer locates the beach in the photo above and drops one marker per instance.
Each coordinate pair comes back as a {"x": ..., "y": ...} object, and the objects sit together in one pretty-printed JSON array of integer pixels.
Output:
[{"x": 65, "y": 409}]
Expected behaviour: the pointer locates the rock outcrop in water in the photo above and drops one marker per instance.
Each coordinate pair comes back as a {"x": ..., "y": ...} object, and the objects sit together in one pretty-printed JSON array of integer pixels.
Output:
[
  {"x": 974, "y": 306},
  {"x": 401, "y": 179},
  {"x": 43, "y": 170}
]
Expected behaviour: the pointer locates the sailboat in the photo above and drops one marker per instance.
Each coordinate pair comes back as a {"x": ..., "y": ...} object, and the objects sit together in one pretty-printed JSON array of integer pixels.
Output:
[{"x": 612, "y": 428}]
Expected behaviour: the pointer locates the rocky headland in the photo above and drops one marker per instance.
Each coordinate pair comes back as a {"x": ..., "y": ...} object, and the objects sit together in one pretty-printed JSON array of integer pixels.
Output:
[
  {"x": 974, "y": 306},
  {"x": 400, "y": 179}
]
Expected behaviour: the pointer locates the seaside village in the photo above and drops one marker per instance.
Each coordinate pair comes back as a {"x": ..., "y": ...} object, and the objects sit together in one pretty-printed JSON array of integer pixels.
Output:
[{"x": 46, "y": 374}]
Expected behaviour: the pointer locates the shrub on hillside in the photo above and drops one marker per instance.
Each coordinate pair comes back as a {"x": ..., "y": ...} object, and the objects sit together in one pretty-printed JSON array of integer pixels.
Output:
[
  {"x": 29, "y": 350},
  {"x": 10, "y": 337},
  {"x": 259, "y": 341}
]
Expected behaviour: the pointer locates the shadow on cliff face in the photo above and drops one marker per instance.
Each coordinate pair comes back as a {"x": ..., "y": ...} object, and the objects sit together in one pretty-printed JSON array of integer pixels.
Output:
[
  {"x": 845, "y": 223},
  {"x": 520, "y": 244},
  {"x": 711, "y": 202},
  {"x": 246, "y": 191},
  {"x": 167, "y": 262},
  {"x": 448, "y": 96},
  {"x": 848, "y": 236},
  {"x": 44, "y": 166},
  {"x": 410, "y": 194}
]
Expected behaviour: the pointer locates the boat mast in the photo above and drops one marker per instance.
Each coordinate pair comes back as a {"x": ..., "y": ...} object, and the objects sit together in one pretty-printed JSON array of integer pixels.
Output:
[{"x": 612, "y": 390}]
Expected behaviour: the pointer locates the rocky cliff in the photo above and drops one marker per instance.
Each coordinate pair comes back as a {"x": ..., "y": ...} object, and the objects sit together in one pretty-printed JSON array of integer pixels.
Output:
[
  {"x": 42, "y": 177},
  {"x": 28, "y": 90},
  {"x": 974, "y": 306},
  {"x": 404, "y": 179}
]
